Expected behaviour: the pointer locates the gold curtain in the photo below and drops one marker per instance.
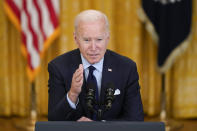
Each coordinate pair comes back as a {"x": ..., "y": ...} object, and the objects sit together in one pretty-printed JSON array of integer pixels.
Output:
[
  {"x": 128, "y": 37},
  {"x": 181, "y": 79}
]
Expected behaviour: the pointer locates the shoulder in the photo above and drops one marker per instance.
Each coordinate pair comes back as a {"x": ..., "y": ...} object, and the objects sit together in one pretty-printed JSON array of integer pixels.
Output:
[
  {"x": 65, "y": 63},
  {"x": 66, "y": 58},
  {"x": 118, "y": 59}
]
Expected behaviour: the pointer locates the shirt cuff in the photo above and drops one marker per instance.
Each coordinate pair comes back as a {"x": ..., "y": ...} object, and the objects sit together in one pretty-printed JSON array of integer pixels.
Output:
[{"x": 72, "y": 105}]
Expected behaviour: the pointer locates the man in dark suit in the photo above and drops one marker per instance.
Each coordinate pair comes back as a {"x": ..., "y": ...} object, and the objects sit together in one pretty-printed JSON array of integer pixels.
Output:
[{"x": 70, "y": 73}]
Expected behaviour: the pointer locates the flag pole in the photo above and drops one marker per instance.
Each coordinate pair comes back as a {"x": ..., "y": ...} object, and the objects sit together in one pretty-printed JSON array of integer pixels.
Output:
[
  {"x": 33, "y": 111},
  {"x": 170, "y": 124},
  {"x": 29, "y": 123}
]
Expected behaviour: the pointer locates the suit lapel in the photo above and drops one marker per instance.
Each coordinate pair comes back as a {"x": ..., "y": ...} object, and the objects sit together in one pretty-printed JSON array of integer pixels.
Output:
[{"x": 107, "y": 75}]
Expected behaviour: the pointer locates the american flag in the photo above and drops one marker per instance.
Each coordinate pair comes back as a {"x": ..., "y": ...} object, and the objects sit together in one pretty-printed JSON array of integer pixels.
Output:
[{"x": 37, "y": 20}]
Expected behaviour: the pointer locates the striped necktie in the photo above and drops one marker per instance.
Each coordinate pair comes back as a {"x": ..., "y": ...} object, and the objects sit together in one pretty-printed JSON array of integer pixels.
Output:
[{"x": 92, "y": 79}]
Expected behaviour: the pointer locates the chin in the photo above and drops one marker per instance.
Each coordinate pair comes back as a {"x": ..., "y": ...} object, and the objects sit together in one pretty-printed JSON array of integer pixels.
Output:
[{"x": 93, "y": 61}]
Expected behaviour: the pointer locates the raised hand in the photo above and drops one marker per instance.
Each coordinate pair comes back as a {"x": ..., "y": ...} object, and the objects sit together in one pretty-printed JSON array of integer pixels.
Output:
[{"x": 77, "y": 82}]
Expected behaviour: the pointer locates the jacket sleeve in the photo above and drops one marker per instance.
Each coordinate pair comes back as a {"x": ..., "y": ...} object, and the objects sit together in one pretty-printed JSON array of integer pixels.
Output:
[{"x": 58, "y": 106}]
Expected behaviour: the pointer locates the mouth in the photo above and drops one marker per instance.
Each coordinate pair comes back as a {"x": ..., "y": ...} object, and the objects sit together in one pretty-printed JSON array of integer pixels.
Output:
[{"x": 93, "y": 55}]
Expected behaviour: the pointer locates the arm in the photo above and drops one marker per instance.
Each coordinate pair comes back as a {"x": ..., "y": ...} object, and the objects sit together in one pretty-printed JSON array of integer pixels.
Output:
[
  {"x": 132, "y": 109},
  {"x": 59, "y": 108}
]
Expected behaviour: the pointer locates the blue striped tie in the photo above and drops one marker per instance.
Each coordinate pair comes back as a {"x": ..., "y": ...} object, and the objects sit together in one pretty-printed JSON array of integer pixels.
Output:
[{"x": 92, "y": 79}]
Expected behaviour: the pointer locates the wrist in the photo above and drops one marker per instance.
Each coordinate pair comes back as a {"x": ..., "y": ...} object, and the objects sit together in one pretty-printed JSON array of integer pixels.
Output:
[{"x": 73, "y": 96}]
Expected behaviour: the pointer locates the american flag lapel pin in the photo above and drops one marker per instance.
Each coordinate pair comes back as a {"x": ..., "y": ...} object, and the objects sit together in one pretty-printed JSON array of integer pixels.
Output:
[{"x": 109, "y": 69}]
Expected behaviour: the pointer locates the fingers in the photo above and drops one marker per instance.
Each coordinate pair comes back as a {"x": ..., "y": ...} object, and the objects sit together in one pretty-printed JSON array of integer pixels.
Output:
[
  {"x": 81, "y": 67},
  {"x": 79, "y": 71},
  {"x": 77, "y": 81},
  {"x": 78, "y": 75},
  {"x": 83, "y": 118}
]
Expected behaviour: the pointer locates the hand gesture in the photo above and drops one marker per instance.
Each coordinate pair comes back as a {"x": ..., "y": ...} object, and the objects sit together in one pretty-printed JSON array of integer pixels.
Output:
[{"x": 77, "y": 82}]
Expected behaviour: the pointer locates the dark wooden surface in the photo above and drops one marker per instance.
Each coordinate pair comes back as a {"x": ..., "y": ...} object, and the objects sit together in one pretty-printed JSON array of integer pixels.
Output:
[{"x": 18, "y": 123}]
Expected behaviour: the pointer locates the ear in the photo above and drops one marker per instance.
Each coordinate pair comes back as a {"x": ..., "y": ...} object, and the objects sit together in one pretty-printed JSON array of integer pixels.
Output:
[
  {"x": 108, "y": 37},
  {"x": 75, "y": 38},
  {"x": 74, "y": 35}
]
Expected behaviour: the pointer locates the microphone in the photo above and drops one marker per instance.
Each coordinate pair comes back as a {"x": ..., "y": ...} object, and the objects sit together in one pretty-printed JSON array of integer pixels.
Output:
[
  {"x": 90, "y": 96},
  {"x": 109, "y": 95}
]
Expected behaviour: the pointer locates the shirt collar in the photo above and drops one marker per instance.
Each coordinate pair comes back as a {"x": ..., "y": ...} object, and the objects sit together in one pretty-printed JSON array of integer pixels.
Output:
[{"x": 98, "y": 65}]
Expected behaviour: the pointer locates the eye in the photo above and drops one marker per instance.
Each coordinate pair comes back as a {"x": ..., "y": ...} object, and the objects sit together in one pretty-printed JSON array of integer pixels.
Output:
[
  {"x": 86, "y": 39},
  {"x": 99, "y": 39}
]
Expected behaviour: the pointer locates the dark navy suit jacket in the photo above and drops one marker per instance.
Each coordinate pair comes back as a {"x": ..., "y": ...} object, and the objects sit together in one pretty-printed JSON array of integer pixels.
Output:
[{"x": 123, "y": 74}]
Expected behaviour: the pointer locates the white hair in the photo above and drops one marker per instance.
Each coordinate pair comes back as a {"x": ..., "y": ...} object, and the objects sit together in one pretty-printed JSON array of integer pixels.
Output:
[{"x": 90, "y": 16}]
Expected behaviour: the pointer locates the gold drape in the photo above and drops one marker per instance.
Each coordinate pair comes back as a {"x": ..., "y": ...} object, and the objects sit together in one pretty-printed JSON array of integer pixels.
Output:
[
  {"x": 182, "y": 78},
  {"x": 128, "y": 37}
]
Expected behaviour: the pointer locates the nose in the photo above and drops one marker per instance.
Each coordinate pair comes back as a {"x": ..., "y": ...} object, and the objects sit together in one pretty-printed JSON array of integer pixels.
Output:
[{"x": 93, "y": 45}]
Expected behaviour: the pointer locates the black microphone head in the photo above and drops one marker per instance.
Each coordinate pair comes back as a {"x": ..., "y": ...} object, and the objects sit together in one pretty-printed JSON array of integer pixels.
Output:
[
  {"x": 110, "y": 89},
  {"x": 90, "y": 95},
  {"x": 109, "y": 95}
]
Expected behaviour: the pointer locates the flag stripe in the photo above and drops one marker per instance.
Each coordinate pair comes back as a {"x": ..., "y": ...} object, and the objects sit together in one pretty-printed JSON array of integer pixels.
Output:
[
  {"x": 55, "y": 6},
  {"x": 27, "y": 37},
  {"x": 47, "y": 25},
  {"x": 32, "y": 53},
  {"x": 51, "y": 10},
  {"x": 18, "y": 3},
  {"x": 40, "y": 19},
  {"x": 29, "y": 61},
  {"x": 35, "y": 39},
  {"x": 35, "y": 23},
  {"x": 14, "y": 8}
]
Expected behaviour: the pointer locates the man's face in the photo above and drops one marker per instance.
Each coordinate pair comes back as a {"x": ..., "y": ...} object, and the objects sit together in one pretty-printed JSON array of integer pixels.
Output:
[{"x": 92, "y": 39}]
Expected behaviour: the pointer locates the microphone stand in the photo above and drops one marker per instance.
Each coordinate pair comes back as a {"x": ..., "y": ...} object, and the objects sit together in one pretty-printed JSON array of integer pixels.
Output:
[
  {"x": 92, "y": 102},
  {"x": 29, "y": 124},
  {"x": 99, "y": 112}
]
